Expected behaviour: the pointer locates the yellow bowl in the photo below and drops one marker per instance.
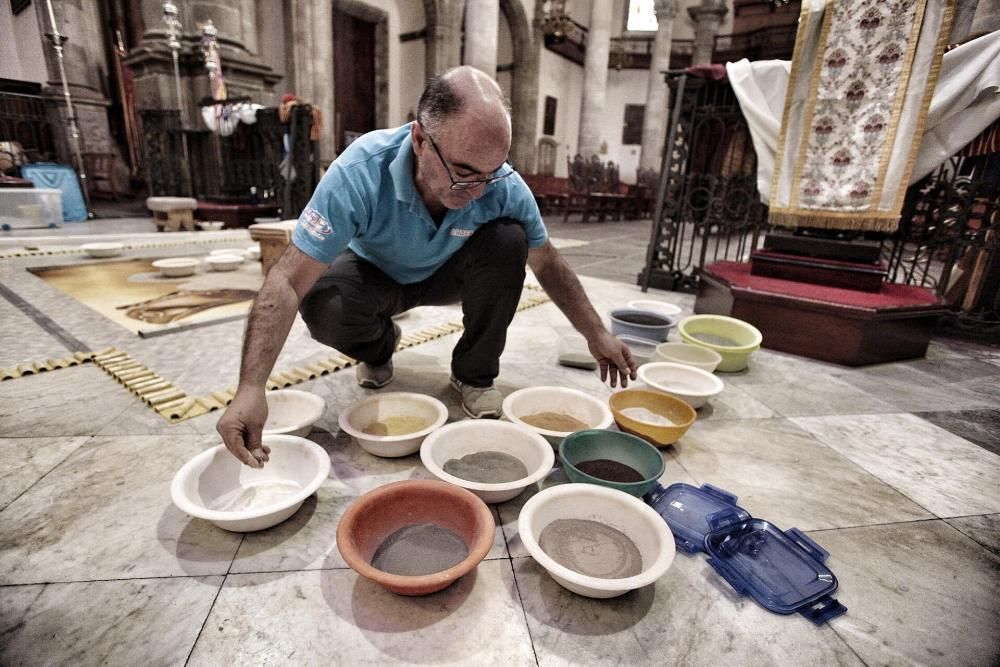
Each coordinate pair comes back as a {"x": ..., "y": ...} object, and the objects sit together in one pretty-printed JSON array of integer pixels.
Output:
[{"x": 680, "y": 414}]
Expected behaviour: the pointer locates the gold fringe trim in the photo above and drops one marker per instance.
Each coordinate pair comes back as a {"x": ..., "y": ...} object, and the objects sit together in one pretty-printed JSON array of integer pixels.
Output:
[
  {"x": 822, "y": 219},
  {"x": 176, "y": 406},
  {"x": 128, "y": 246}
]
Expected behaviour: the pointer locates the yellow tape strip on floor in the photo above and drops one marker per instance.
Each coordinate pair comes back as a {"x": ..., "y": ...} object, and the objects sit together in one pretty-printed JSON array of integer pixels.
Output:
[{"x": 176, "y": 406}]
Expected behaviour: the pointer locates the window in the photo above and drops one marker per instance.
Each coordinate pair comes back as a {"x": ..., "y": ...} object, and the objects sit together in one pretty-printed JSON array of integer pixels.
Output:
[
  {"x": 549, "y": 120},
  {"x": 641, "y": 16},
  {"x": 632, "y": 128}
]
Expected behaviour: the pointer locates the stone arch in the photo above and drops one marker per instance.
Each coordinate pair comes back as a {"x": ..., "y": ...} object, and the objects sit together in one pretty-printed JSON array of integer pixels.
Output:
[{"x": 524, "y": 86}]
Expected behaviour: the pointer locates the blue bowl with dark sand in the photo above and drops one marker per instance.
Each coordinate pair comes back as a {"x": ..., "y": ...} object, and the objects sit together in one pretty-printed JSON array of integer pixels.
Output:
[
  {"x": 613, "y": 459},
  {"x": 645, "y": 324}
]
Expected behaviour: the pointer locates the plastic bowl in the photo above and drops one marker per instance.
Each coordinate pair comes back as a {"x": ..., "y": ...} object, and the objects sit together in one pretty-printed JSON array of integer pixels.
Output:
[
  {"x": 252, "y": 253},
  {"x": 378, "y": 514},
  {"x": 640, "y": 523},
  {"x": 746, "y": 338},
  {"x": 623, "y": 448},
  {"x": 176, "y": 267},
  {"x": 692, "y": 385},
  {"x": 209, "y": 225},
  {"x": 661, "y": 307},
  {"x": 671, "y": 408},
  {"x": 215, "y": 486},
  {"x": 224, "y": 262},
  {"x": 103, "y": 249},
  {"x": 641, "y": 323},
  {"x": 570, "y": 402},
  {"x": 292, "y": 412},
  {"x": 642, "y": 349},
  {"x": 696, "y": 356},
  {"x": 380, "y": 407},
  {"x": 468, "y": 437}
]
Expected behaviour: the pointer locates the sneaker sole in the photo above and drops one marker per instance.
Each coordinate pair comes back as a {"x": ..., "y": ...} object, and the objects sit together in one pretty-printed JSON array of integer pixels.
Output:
[{"x": 371, "y": 384}]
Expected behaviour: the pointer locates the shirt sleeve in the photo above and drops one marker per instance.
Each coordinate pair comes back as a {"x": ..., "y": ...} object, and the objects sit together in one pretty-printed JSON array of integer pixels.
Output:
[
  {"x": 520, "y": 205},
  {"x": 336, "y": 213}
]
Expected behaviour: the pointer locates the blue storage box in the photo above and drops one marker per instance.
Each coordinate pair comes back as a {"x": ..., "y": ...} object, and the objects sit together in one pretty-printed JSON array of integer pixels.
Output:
[
  {"x": 784, "y": 571},
  {"x": 61, "y": 177}
]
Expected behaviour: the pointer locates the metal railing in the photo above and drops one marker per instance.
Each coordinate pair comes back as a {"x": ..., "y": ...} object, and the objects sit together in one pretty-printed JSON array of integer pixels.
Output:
[{"x": 26, "y": 120}]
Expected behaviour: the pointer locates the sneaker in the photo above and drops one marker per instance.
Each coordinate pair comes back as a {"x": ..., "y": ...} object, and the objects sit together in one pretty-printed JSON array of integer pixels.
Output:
[
  {"x": 479, "y": 402},
  {"x": 372, "y": 376}
]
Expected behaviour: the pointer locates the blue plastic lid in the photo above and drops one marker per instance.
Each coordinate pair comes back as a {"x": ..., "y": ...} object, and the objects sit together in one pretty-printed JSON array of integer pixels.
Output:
[
  {"x": 689, "y": 511},
  {"x": 783, "y": 571}
]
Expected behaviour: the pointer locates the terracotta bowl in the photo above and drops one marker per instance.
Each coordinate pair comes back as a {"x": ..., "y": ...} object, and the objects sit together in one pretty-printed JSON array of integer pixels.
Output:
[
  {"x": 680, "y": 414},
  {"x": 378, "y": 514}
]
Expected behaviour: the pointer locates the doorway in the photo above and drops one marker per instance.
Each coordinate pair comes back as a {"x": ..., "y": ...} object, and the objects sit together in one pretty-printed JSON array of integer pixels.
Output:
[{"x": 353, "y": 76}]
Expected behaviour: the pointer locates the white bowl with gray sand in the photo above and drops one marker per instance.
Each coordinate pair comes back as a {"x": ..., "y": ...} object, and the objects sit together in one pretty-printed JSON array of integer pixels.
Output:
[
  {"x": 496, "y": 460},
  {"x": 595, "y": 541},
  {"x": 217, "y": 487},
  {"x": 555, "y": 412},
  {"x": 393, "y": 424}
]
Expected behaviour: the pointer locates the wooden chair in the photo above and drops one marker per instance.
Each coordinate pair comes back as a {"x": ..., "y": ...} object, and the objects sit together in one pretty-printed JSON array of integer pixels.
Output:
[{"x": 101, "y": 171}]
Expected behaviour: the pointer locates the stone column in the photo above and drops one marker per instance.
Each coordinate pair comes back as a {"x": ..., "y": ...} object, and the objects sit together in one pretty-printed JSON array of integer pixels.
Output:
[
  {"x": 152, "y": 65},
  {"x": 654, "y": 122},
  {"x": 312, "y": 30},
  {"x": 595, "y": 78},
  {"x": 443, "y": 46},
  {"x": 707, "y": 18},
  {"x": 482, "y": 19}
]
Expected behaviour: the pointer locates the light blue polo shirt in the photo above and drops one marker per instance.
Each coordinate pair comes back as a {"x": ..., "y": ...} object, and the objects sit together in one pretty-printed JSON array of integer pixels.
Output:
[{"x": 367, "y": 201}]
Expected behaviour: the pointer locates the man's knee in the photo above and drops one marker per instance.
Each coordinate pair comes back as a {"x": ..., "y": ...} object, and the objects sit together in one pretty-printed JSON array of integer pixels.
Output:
[{"x": 503, "y": 241}]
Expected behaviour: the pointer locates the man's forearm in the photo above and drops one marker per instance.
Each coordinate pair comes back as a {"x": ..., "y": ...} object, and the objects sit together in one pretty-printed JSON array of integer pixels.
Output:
[
  {"x": 565, "y": 290},
  {"x": 270, "y": 320}
]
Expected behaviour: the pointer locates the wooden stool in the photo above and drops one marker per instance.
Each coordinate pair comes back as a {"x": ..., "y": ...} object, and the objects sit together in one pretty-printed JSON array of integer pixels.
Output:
[
  {"x": 172, "y": 213},
  {"x": 273, "y": 237}
]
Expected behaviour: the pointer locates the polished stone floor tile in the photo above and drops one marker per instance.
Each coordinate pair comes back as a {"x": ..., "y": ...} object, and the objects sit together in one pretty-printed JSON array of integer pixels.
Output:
[
  {"x": 941, "y": 472},
  {"x": 782, "y": 474},
  {"x": 75, "y": 401},
  {"x": 23, "y": 340},
  {"x": 908, "y": 389},
  {"x": 979, "y": 426},
  {"x": 690, "y": 616},
  {"x": 23, "y": 461},
  {"x": 334, "y": 617},
  {"x": 916, "y": 593},
  {"x": 105, "y": 513},
  {"x": 816, "y": 394},
  {"x": 984, "y": 528},
  {"x": 135, "y": 622}
]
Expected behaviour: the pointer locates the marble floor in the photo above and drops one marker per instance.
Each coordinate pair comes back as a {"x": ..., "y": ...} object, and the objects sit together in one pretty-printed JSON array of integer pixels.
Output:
[{"x": 894, "y": 469}]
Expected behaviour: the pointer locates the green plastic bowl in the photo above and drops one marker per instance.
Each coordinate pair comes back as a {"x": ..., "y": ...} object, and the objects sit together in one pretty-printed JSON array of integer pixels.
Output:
[
  {"x": 746, "y": 338},
  {"x": 594, "y": 444}
]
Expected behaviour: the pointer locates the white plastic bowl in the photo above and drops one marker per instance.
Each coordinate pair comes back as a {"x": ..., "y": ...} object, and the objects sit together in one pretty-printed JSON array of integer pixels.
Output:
[
  {"x": 642, "y": 349},
  {"x": 360, "y": 415},
  {"x": 252, "y": 253},
  {"x": 692, "y": 385},
  {"x": 571, "y": 402},
  {"x": 477, "y": 435},
  {"x": 590, "y": 502},
  {"x": 103, "y": 249},
  {"x": 216, "y": 487},
  {"x": 689, "y": 355},
  {"x": 224, "y": 262},
  {"x": 292, "y": 412},
  {"x": 176, "y": 267},
  {"x": 661, "y": 307},
  {"x": 210, "y": 225}
]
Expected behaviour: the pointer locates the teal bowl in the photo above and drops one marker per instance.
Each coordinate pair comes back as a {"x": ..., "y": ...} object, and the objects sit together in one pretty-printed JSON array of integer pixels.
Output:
[{"x": 599, "y": 451}]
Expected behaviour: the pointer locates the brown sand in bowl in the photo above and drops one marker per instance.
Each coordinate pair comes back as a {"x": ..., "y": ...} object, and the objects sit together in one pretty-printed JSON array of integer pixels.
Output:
[
  {"x": 591, "y": 548},
  {"x": 554, "y": 421},
  {"x": 418, "y": 549},
  {"x": 396, "y": 425},
  {"x": 609, "y": 470},
  {"x": 488, "y": 467}
]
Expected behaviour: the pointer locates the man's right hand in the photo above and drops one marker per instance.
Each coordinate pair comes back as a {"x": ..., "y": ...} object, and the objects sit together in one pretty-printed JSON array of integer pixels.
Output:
[{"x": 241, "y": 426}]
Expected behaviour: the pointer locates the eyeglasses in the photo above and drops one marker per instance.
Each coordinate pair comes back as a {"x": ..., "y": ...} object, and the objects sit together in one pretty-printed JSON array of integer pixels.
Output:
[{"x": 456, "y": 184}]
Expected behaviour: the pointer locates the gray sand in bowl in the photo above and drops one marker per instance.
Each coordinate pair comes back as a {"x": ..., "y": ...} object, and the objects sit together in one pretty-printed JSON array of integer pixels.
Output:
[
  {"x": 488, "y": 467},
  {"x": 591, "y": 548},
  {"x": 418, "y": 549}
]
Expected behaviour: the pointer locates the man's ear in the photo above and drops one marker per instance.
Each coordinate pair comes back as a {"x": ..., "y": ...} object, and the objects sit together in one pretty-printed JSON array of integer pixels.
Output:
[{"x": 418, "y": 138}]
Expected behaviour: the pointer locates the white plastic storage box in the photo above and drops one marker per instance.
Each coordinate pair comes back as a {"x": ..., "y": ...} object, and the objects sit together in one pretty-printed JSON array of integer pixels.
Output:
[{"x": 30, "y": 207}]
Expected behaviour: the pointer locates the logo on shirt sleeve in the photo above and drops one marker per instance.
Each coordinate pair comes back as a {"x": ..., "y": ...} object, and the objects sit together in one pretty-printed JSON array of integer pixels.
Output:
[{"x": 315, "y": 224}]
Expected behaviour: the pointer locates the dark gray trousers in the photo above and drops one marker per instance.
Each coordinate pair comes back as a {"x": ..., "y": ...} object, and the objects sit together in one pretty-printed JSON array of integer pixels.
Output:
[{"x": 351, "y": 306}]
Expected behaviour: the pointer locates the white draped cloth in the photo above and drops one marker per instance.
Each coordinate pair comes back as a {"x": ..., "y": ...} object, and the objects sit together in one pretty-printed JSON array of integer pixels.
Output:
[{"x": 965, "y": 102}]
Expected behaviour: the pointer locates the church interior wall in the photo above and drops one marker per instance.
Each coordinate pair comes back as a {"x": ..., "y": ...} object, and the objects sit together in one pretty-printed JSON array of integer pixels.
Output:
[
  {"x": 21, "y": 46},
  {"x": 627, "y": 86},
  {"x": 563, "y": 80}
]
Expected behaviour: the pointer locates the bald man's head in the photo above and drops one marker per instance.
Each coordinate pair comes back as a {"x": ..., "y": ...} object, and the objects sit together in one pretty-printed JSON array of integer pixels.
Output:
[{"x": 464, "y": 92}]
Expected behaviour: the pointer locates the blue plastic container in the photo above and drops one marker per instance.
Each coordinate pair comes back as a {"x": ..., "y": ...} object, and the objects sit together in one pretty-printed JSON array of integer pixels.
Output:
[{"x": 642, "y": 323}]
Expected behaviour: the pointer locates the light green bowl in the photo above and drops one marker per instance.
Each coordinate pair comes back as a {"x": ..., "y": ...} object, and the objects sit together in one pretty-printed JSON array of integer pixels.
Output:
[{"x": 745, "y": 337}]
